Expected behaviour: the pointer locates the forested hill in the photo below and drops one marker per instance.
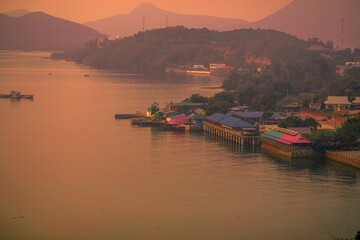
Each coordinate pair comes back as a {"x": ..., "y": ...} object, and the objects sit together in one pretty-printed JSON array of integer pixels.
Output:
[
  {"x": 40, "y": 31},
  {"x": 178, "y": 46}
]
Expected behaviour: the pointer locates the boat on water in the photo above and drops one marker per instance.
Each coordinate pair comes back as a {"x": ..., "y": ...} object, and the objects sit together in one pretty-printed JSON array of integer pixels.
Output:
[{"x": 198, "y": 72}]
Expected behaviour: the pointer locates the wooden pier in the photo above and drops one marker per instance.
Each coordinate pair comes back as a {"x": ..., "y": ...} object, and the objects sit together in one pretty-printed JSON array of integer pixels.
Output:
[{"x": 240, "y": 138}]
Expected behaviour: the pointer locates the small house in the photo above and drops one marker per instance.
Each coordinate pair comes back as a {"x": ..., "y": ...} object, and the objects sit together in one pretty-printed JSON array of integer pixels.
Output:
[
  {"x": 356, "y": 103},
  {"x": 291, "y": 108},
  {"x": 196, "y": 119}
]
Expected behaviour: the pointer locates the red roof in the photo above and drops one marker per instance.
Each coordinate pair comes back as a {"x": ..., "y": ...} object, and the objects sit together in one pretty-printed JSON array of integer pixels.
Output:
[{"x": 290, "y": 139}]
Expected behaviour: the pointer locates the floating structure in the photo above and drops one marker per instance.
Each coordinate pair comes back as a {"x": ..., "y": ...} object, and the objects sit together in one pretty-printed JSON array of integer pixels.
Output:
[
  {"x": 232, "y": 129},
  {"x": 16, "y": 95},
  {"x": 124, "y": 116},
  {"x": 198, "y": 72},
  {"x": 288, "y": 143}
]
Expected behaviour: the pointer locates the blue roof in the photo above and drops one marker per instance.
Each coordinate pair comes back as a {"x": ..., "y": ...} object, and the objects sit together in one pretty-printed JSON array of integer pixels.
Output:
[
  {"x": 254, "y": 114},
  {"x": 235, "y": 122},
  {"x": 216, "y": 117}
]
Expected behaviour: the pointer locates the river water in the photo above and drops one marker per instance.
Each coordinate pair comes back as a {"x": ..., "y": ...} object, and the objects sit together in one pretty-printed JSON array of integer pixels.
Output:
[{"x": 69, "y": 170}]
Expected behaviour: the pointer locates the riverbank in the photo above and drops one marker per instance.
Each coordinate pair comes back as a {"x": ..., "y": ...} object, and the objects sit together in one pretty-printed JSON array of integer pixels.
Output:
[{"x": 351, "y": 158}]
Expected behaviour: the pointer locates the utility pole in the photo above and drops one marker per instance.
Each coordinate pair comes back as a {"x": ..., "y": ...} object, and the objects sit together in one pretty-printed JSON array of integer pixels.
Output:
[
  {"x": 143, "y": 20},
  {"x": 166, "y": 23},
  {"x": 342, "y": 31}
]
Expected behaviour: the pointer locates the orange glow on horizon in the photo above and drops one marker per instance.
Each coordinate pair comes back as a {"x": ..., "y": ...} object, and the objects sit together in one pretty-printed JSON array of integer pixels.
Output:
[{"x": 88, "y": 10}]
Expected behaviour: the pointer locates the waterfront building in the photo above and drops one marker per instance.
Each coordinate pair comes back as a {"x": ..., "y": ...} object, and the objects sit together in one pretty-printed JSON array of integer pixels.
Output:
[
  {"x": 286, "y": 142},
  {"x": 228, "y": 122},
  {"x": 177, "y": 119},
  {"x": 196, "y": 119}
]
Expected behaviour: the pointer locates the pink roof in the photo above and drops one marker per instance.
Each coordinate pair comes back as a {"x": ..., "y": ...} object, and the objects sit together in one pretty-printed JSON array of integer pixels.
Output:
[{"x": 289, "y": 139}]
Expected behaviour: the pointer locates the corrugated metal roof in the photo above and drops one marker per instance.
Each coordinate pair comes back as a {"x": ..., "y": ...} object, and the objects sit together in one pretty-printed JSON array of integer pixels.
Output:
[
  {"x": 235, "y": 122},
  {"x": 254, "y": 114},
  {"x": 216, "y": 117},
  {"x": 273, "y": 134}
]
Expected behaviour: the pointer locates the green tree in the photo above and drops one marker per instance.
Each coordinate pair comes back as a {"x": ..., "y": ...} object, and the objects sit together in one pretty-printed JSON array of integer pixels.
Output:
[{"x": 154, "y": 108}]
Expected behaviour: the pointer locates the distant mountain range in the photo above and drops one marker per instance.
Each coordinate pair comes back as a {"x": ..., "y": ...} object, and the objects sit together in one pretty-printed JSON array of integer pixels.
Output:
[
  {"x": 40, "y": 31},
  {"x": 335, "y": 20},
  {"x": 17, "y": 13},
  {"x": 302, "y": 18},
  {"x": 317, "y": 18},
  {"x": 126, "y": 25}
]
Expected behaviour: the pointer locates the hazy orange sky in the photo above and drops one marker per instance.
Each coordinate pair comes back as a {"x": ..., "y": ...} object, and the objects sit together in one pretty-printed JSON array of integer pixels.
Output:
[{"x": 87, "y": 10}]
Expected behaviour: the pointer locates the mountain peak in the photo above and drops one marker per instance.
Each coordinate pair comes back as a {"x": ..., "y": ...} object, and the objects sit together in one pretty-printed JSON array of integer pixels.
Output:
[
  {"x": 146, "y": 8},
  {"x": 17, "y": 13}
]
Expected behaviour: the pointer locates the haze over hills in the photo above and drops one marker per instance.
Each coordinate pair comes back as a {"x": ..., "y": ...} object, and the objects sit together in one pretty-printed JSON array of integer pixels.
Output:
[
  {"x": 40, "y": 31},
  {"x": 126, "y": 25},
  {"x": 17, "y": 13},
  {"x": 302, "y": 18},
  {"x": 317, "y": 18}
]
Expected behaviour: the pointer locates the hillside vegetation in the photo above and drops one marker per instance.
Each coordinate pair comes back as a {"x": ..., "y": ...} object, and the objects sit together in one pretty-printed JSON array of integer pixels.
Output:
[
  {"x": 40, "y": 31},
  {"x": 178, "y": 46}
]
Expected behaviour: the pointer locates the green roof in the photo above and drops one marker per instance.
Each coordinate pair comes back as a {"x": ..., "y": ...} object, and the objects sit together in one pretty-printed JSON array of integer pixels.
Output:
[
  {"x": 273, "y": 134},
  {"x": 177, "y": 115}
]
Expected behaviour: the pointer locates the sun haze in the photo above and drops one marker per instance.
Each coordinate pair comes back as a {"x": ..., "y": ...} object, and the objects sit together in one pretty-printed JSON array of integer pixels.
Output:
[{"x": 88, "y": 10}]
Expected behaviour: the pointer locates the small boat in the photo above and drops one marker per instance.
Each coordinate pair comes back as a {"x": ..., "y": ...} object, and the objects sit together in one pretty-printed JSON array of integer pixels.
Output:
[
  {"x": 124, "y": 116},
  {"x": 86, "y": 75},
  {"x": 16, "y": 95}
]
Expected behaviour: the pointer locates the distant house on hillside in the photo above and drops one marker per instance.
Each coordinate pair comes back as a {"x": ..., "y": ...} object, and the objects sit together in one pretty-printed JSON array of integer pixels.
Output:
[
  {"x": 215, "y": 66},
  {"x": 242, "y": 108},
  {"x": 291, "y": 108},
  {"x": 317, "y": 47},
  {"x": 340, "y": 69},
  {"x": 315, "y": 106},
  {"x": 191, "y": 106},
  {"x": 337, "y": 103},
  {"x": 356, "y": 103}
]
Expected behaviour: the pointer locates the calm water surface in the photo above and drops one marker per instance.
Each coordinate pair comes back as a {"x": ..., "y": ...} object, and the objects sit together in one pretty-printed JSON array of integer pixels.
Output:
[{"x": 69, "y": 170}]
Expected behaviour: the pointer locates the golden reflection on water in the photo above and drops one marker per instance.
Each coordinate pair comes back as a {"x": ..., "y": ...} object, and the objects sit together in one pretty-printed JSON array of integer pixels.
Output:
[{"x": 69, "y": 170}]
